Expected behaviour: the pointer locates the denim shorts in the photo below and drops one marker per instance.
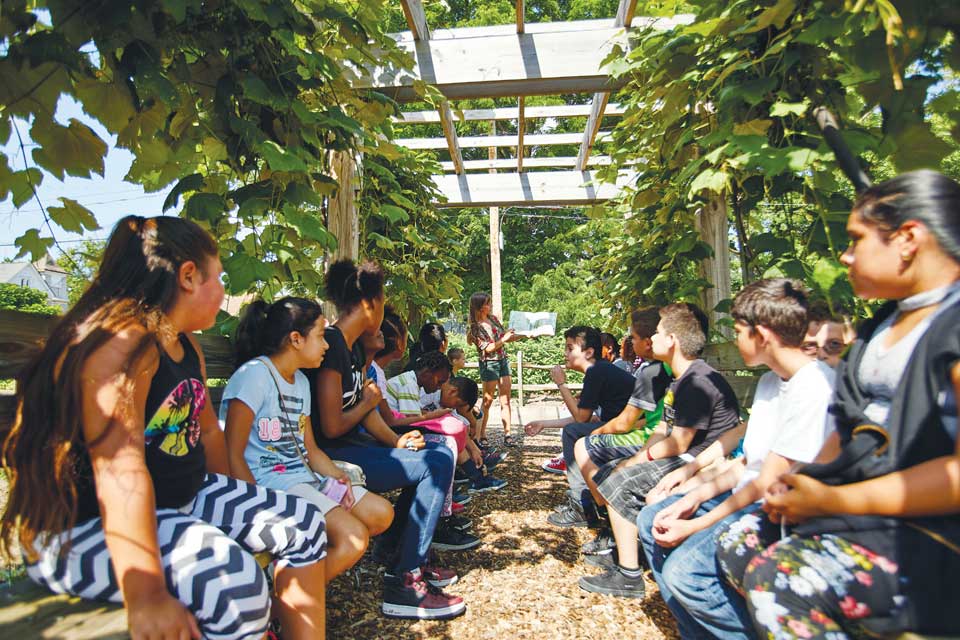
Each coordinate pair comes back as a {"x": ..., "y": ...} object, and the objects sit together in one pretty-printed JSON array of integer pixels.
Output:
[{"x": 493, "y": 370}]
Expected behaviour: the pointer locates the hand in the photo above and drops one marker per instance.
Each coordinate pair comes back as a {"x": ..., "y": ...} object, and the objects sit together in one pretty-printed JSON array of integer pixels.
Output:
[
  {"x": 804, "y": 498},
  {"x": 508, "y": 336},
  {"x": 412, "y": 440},
  {"x": 371, "y": 393},
  {"x": 436, "y": 413},
  {"x": 348, "y": 499},
  {"x": 533, "y": 428},
  {"x": 669, "y": 483},
  {"x": 558, "y": 375},
  {"x": 476, "y": 456},
  {"x": 671, "y": 533},
  {"x": 161, "y": 617},
  {"x": 682, "y": 509}
]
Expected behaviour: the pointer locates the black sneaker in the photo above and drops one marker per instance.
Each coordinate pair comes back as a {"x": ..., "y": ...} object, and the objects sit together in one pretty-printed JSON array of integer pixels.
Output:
[
  {"x": 447, "y": 538},
  {"x": 608, "y": 561},
  {"x": 612, "y": 582},
  {"x": 566, "y": 516},
  {"x": 459, "y": 522},
  {"x": 603, "y": 544},
  {"x": 460, "y": 478},
  {"x": 410, "y": 596}
]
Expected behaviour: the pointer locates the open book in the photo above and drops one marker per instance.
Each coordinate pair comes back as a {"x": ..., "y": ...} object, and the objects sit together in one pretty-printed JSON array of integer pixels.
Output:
[{"x": 533, "y": 324}]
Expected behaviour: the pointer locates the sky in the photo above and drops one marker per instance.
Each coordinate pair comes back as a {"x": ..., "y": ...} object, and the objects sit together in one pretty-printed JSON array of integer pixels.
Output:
[{"x": 109, "y": 197}]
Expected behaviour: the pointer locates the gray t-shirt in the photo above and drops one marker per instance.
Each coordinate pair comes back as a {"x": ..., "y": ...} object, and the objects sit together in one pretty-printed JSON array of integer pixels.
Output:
[{"x": 271, "y": 452}]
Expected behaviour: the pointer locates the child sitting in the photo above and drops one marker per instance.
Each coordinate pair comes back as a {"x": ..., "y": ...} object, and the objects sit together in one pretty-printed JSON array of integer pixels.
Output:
[
  {"x": 458, "y": 359},
  {"x": 266, "y": 410}
]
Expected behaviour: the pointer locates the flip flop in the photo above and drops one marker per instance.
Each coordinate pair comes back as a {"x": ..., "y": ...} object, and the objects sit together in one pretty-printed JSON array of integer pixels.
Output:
[{"x": 484, "y": 444}]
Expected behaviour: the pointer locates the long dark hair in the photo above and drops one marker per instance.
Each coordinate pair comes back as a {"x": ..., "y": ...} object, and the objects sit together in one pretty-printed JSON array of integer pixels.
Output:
[
  {"x": 431, "y": 338},
  {"x": 137, "y": 282},
  {"x": 265, "y": 328},
  {"x": 348, "y": 284},
  {"x": 394, "y": 331},
  {"x": 477, "y": 301},
  {"x": 925, "y": 196}
]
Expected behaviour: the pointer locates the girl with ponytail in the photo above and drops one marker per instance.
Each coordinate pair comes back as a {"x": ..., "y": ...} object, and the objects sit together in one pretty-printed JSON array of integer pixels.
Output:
[
  {"x": 117, "y": 465},
  {"x": 266, "y": 410}
]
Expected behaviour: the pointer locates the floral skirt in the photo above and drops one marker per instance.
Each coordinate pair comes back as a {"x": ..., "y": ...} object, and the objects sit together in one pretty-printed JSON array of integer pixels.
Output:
[{"x": 821, "y": 586}]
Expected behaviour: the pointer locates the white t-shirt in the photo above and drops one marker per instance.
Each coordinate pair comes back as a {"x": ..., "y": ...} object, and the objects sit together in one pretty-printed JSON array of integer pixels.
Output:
[
  {"x": 381, "y": 378},
  {"x": 789, "y": 417}
]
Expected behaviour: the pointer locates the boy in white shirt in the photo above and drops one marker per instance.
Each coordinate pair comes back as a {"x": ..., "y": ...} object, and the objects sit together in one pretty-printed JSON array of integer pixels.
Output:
[{"x": 788, "y": 424}]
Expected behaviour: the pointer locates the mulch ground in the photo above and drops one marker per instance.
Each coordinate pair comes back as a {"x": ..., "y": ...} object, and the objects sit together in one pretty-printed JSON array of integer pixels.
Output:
[{"x": 520, "y": 583}]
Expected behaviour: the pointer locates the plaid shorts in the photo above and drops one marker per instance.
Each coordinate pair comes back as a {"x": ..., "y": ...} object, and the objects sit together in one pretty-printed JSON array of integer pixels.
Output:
[
  {"x": 625, "y": 490},
  {"x": 608, "y": 447}
]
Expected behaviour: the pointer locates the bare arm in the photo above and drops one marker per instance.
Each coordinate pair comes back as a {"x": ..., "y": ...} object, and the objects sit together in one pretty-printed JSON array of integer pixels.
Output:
[
  {"x": 335, "y": 421},
  {"x": 559, "y": 377},
  {"x": 673, "y": 445},
  {"x": 113, "y": 425},
  {"x": 239, "y": 421},
  {"x": 387, "y": 414},
  {"x": 625, "y": 421}
]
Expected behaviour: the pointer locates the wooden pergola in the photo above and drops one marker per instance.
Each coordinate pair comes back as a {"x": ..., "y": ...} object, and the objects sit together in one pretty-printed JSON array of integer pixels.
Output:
[{"x": 516, "y": 60}]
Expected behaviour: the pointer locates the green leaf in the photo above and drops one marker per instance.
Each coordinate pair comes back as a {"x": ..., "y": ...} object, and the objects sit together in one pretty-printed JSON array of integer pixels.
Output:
[
  {"x": 108, "y": 102},
  {"x": 752, "y": 128},
  {"x": 308, "y": 226},
  {"x": 257, "y": 90},
  {"x": 826, "y": 273},
  {"x": 780, "y": 109},
  {"x": 74, "y": 149},
  {"x": 192, "y": 182},
  {"x": 775, "y": 16},
  {"x": 205, "y": 206},
  {"x": 403, "y": 201},
  {"x": 802, "y": 159},
  {"x": 176, "y": 8},
  {"x": 278, "y": 158},
  {"x": 298, "y": 193},
  {"x": 20, "y": 185},
  {"x": 243, "y": 270},
  {"x": 31, "y": 243},
  {"x": 73, "y": 216},
  {"x": 393, "y": 213},
  {"x": 711, "y": 180}
]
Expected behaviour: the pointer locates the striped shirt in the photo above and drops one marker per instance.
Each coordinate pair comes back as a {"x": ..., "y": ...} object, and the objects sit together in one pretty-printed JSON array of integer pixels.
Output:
[{"x": 403, "y": 394}]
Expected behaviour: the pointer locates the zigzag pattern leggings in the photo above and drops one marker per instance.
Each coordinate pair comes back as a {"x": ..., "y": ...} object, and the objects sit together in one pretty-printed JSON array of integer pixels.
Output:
[{"x": 206, "y": 551}]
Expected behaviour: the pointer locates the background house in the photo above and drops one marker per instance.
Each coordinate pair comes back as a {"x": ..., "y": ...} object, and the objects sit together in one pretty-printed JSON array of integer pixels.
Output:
[{"x": 43, "y": 275}]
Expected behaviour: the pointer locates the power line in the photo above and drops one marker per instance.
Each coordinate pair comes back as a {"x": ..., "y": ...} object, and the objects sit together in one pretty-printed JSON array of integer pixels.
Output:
[{"x": 87, "y": 204}]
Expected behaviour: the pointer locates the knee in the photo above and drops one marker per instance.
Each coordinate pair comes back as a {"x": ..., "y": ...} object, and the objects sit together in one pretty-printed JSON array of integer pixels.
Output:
[
  {"x": 439, "y": 461},
  {"x": 244, "y": 605},
  {"x": 380, "y": 514},
  {"x": 580, "y": 452}
]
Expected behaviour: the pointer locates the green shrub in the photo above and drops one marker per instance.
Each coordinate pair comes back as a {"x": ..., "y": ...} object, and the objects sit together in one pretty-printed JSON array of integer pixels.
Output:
[{"x": 25, "y": 299}]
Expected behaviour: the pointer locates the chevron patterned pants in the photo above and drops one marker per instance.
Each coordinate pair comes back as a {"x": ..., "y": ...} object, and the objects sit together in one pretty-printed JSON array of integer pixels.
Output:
[{"x": 206, "y": 550}]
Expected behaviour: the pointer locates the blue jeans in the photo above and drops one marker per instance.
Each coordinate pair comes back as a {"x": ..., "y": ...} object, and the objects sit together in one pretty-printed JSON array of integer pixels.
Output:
[
  {"x": 578, "y": 486},
  {"x": 424, "y": 477},
  {"x": 702, "y": 602}
]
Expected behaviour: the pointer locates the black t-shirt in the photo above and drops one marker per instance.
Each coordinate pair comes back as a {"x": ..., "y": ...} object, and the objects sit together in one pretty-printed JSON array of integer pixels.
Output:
[
  {"x": 701, "y": 399},
  {"x": 607, "y": 387},
  {"x": 349, "y": 364}
]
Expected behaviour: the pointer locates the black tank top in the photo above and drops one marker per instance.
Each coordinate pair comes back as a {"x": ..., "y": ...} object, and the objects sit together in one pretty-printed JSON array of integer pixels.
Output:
[{"x": 174, "y": 453}]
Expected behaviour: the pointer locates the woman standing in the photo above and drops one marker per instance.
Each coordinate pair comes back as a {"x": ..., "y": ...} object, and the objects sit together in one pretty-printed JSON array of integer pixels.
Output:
[{"x": 488, "y": 335}]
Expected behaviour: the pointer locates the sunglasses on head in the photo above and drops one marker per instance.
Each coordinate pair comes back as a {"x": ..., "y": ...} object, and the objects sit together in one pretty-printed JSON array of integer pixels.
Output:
[{"x": 832, "y": 347}]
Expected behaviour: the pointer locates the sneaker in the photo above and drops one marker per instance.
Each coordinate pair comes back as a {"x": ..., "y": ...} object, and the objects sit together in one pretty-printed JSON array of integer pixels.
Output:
[
  {"x": 447, "y": 538},
  {"x": 603, "y": 544},
  {"x": 568, "y": 515},
  {"x": 612, "y": 582},
  {"x": 456, "y": 508},
  {"x": 434, "y": 576},
  {"x": 459, "y": 523},
  {"x": 487, "y": 483},
  {"x": 555, "y": 465},
  {"x": 410, "y": 596},
  {"x": 607, "y": 561},
  {"x": 460, "y": 478},
  {"x": 493, "y": 459},
  {"x": 462, "y": 498}
]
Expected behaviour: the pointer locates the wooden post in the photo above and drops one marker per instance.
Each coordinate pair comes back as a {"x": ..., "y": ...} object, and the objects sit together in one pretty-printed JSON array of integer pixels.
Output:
[
  {"x": 342, "y": 219},
  {"x": 520, "y": 376},
  {"x": 713, "y": 227},
  {"x": 496, "y": 292}
]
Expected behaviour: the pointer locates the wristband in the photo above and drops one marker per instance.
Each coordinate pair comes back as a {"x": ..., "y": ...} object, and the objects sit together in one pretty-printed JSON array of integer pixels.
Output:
[{"x": 649, "y": 456}]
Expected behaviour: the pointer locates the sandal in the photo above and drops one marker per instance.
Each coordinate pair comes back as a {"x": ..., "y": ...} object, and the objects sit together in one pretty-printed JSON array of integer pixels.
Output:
[
  {"x": 483, "y": 443},
  {"x": 509, "y": 441}
]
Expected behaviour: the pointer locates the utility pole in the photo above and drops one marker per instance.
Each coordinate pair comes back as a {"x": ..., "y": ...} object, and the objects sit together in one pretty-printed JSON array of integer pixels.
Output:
[{"x": 496, "y": 292}]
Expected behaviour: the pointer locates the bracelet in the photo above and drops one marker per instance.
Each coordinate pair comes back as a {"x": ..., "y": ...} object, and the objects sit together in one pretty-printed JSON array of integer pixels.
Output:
[{"x": 649, "y": 456}]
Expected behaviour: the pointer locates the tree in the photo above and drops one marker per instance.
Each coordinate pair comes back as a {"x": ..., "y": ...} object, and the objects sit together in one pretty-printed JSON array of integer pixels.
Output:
[
  {"x": 81, "y": 264},
  {"x": 25, "y": 299}
]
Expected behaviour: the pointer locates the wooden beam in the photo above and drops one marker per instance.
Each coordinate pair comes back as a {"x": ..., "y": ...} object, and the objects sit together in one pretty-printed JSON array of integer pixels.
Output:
[
  {"x": 593, "y": 126},
  {"x": 533, "y": 28},
  {"x": 566, "y": 61},
  {"x": 508, "y": 113},
  {"x": 528, "y": 163},
  {"x": 624, "y": 18},
  {"x": 714, "y": 229},
  {"x": 545, "y": 188},
  {"x": 521, "y": 129},
  {"x": 416, "y": 19},
  {"x": 520, "y": 11},
  {"x": 450, "y": 134},
  {"x": 533, "y": 140}
]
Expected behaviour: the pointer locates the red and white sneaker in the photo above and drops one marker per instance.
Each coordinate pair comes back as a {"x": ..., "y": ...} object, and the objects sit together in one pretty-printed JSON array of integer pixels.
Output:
[
  {"x": 456, "y": 508},
  {"x": 439, "y": 577},
  {"x": 555, "y": 465},
  {"x": 410, "y": 596}
]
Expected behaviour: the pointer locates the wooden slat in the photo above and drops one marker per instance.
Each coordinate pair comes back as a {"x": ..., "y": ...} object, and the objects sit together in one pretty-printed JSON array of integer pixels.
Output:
[
  {"x": 538, "y": 139},
  {"x": 508, "y": 113},
  {"x": 525, "y": 189},
  {"x": 521, "y": 129},
  {"x": 625, "y": 13},
  {"x": 450, "y": 135},
  {"x": 528, "y": 163},
  {"x": 520, "y": 21},
  {"x": 416, "y": 19},
  {"x": 27, "y": 610},
  {"x": 566, "y": 61},
  {"x": 538, "y": 28}
]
